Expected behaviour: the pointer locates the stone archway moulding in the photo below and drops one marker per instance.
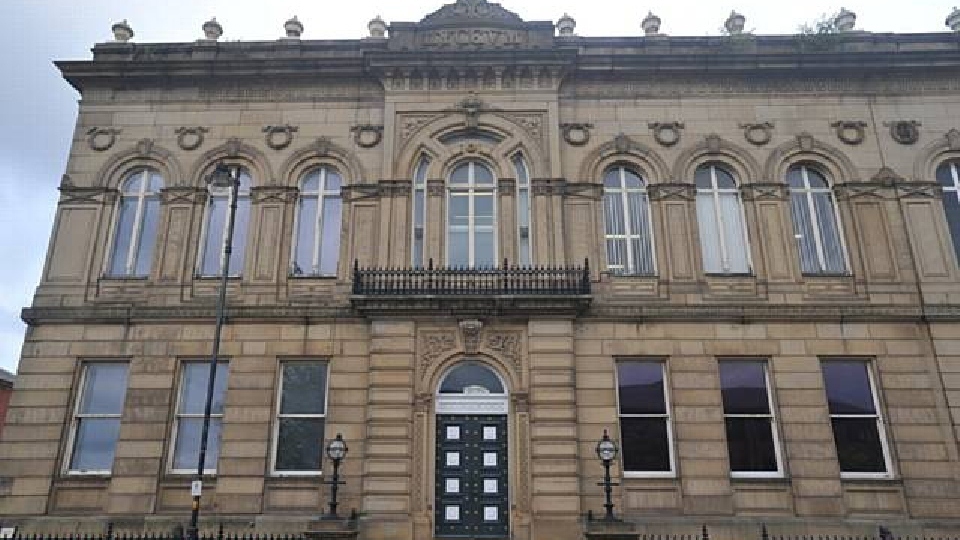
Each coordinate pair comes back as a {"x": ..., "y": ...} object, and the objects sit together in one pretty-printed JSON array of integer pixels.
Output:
[{"x": 144, "y": 153}]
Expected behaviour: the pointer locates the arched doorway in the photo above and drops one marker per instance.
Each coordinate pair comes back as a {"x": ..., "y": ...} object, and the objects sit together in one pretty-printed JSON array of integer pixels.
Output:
[{"x": 471, "y": 471}]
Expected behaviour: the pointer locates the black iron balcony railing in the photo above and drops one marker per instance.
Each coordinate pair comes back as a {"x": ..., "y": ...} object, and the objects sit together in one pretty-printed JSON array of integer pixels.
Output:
[{"x": 458, "y": 281}]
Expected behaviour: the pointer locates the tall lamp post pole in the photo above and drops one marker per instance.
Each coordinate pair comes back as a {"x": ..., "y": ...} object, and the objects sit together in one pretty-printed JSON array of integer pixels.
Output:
[
  {"x": 336, "y": 451},
  {"x": 607, "y": 452},
  {"x": 222, "y": 177}
]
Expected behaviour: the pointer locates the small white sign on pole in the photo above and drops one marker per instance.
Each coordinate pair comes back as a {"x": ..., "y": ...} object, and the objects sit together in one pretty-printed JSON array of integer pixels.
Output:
[{"x": 195, "y": 488}]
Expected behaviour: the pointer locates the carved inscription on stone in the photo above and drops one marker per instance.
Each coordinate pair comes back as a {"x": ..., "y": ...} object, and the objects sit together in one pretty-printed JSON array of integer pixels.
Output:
[{"x": 465, "y": 37}]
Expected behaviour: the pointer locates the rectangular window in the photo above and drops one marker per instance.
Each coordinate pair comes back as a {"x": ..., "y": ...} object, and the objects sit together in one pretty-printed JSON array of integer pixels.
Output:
[
  {"x": 188, "y": 425},
  {"x": 748, "y": 415},
  {"x": 645, "y": 432},
  {"x": 96, "y": 419},
  {"x": 855, "y": 415},
  {"x": 301, "y": 414}
]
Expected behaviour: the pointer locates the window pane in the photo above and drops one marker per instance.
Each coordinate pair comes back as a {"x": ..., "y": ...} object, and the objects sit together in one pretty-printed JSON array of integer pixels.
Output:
[
  {"x": 750, "y": 445},
  {"x": 148, "y": 235},
  {"x": 94, "y": 444},
  {"x": 709, "y": 235},
  {"x": 522, "y": 177},
  {"x": 945, "y": 174},
  {"x": 481, "y": 174},
  {"x": 803, "y": 229},
  {"x": 333, "y": 181},
  {"x": 304, "y": 388},
  {"x": 523, "y": 207},
  {"x": 458, "y": 252},
  {"x": 611, "y": 178},
  {"x": 156, "y": 182},
  {"x": 724, "y": 179},
  {"x": 816, "y": 179},
  {"x": 795, "y": 177},
  {"x": 104, "y": 388},
  {"x": 733, "y": 234},
  {"x": 483, "y": 208},
  {"x": 744, "y": 388},
  {"x": 306, "y": 225},
  {"x": 213, "y": 242},
  {"x": 123, "y": 236},
  {"x": 133, "y": 183},
  {"x": 640, "y": 388},
  {"x": 848, "y": 387},
  {"x": 702, "y": 178},
  {"x": 330, "y": 243},
  {"x": 613, "y": 213},
  {"x": 459, "y": 212},
  {"x": 299, "y": 444},
  {"x": 951, "y": 205},
  {"x": 460, "y": 175},
  {"x": 418, "y": 208},
  {"x": 616, "y": 254},
  {"x": 311, "y": 182},
  {"x": 484, "y": 255},
  {"x": 194, "y": 391},
  {"x": 645, "y": 446},
  {"x": 858, "y": 445},
  {"x": 186, "y": 452},
  {"x": 239, "y": 243},
  {"x": 829, "y": 232},
  {"x": 470, "y": 374},
  {"x": 631, "y": 179}
]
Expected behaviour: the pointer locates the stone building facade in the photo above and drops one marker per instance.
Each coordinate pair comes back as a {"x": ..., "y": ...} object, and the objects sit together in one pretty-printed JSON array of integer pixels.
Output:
[{"x": 474, "y": 245}]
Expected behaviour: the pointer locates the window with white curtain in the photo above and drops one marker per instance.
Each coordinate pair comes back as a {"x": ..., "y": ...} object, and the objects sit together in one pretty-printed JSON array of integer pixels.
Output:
[
  {"x": 816, "y": 223},
  {"x": 419, "y": 211},
  {"x": 626, "y": 211},
  {"x": 135, "y": 231},
  {"x": 524, "y": 248},
  {"x": 316, "y": 246},
  {"x": 471, "y": 216},
  {"x": 723, "y": 236},
  {"x": 948, "y": 176},
  {"x": 211, "y": 259}
]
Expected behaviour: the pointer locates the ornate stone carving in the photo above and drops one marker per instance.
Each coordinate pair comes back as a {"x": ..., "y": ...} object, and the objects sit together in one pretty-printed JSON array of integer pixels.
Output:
[
  {"x": 666, "y": 133},
  {"x": 232, "y": 147},
  {"x": 759, "y": 192},
  {"x": 850, "y": 131},
  {"x": 918, "y": 190},
  {"x": 904, "y": 131},
  {"x": 434, "y": 345},
  {"x": 506, "y": 344},
  {"x": 862, "y": 190},
  {"x": 886, "y": 175},
  {"x": 684, "y": 192},
  {"x": 410, "y": 124},
  {"x": 953, "y": 139},
  {"x": 262, "y": 194},
  {"x": 144, "y": 147},
  {"x": 190, "y": 138},
  {"x": 436, "y": 187},
  {"x": 470, "y": 330},
  {"x": 279, "y": 137},
  {"x": 757, "y": 134},
  {"x": 86, "y": 195},
  {"x": 101, "y": 139},
  {"x": 576, "y": 134},
  {"x": 367, "y": 135},
  {"x": 182, "y": 195},
  {"x": 468, "y": 11},
  {"x": 531, "y": 123}
]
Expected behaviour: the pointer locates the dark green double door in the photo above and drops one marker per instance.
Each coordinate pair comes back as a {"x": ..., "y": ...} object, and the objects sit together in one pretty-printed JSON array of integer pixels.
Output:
[{"x": 471, "y": 476}]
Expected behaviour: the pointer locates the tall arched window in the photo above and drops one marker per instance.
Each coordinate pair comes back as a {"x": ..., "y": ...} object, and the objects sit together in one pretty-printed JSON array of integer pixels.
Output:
[
  {"x": 627, "y": 222},
  {"x": 215, "y": 227},
  {"x": 471, "y": 216},
  {"x": 316, "y": 247},
  {"x": 948, "y": 175},
  {"x": 815, "y": 222},
  {"x": 723, "y": 237},
  {"x": 135, "y": 232},
  {"x": 419, "y": 211},
  {"x": 524, "y": 247}
]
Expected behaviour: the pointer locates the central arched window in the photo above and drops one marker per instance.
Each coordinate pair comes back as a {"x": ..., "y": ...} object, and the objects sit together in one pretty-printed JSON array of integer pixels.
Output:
[
  {"x": 723, "y": 237},
  {"x": 471, "y": 216},
  {"x": 627, "y": 222},
  {"x": 211, "y": 258},
  {"x": 948, "y": 176},
  {"x": 135, "y": 231},
  {"x": 316, "y": 247},
  {"x": 815, "y": 222}
]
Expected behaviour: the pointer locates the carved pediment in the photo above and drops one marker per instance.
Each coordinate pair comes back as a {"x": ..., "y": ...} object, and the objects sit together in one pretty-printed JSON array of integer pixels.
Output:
[{"x": 471, "y": 12}]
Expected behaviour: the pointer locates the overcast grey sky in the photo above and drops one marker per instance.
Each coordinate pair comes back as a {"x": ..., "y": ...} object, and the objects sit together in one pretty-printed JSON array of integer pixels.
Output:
[{"x": 38, "y": 109}]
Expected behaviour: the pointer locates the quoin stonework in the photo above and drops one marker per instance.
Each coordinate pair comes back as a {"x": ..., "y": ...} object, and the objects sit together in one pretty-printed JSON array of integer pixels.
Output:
[{"x": 471, "y": 244}]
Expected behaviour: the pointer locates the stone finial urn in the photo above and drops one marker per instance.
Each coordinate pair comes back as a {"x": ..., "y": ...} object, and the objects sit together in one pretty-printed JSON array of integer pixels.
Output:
[
  {"x": 953, "y": 20},
  {"x": 734, "y": 23},
  {"x": 212, "y": 29},
  {"x": 650, "y": 24},
  {"x": 845, "y": 20},
  {"x": 293, "y": 28},
  {"x": 122, "y": 32},
  {"x": 566, "y": 25},
  {"x": 377, "y": 28}
]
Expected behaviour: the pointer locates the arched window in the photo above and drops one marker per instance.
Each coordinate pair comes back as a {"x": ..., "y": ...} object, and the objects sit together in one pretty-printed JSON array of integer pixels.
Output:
[
  {"x": 316, "y": 247},
  {"x": 471, "y": 216},
  {"x": 215, "y": 227},
  {"x": 627, "y": 222},
  {"x": 948, "y": 175},
  {"x": 723, "y": 237},
  {"x": 524, "y": 248},
  {"x": 135, "y": 232},
  {"x": 471, "y": 377},
  {"x": 419, "y": 212},
  {"x": 815, "y": 222}
]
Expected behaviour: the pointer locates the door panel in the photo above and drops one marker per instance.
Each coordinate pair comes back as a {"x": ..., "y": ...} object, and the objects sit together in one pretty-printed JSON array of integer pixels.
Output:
[{"x": 471, "y": 476}]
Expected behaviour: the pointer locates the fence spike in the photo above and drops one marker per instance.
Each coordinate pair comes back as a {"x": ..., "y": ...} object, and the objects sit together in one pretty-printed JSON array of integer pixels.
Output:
[{"x": 704, "y": 535}]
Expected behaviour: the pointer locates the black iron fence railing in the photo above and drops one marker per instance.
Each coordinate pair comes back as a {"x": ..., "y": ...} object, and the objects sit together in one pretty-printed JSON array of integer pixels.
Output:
[{"x": 458, "y": 281}]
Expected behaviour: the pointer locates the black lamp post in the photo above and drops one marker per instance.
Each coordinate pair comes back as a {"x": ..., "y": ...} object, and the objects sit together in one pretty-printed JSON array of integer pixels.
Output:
[
  {"x": 222, "y": 177},
  {"x": 336, "y": 451},
  {"x": 607, "y": 452}
]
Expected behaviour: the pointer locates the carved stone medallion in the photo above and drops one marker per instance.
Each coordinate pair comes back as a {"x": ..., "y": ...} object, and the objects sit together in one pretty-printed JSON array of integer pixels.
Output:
[
  {"x": 757, "y": 134},
  {"x": 367, "y": 135},
  {"x": 101, "y": 139},
  {"x": 576, "y": 134},
  {"x": 850, "y": 131},
  {"x": 666, "y": 133},
  {"x": 279, "y": 137},
  {"x": 190, "y": 138},
  {"x": 904, "y": 131}
]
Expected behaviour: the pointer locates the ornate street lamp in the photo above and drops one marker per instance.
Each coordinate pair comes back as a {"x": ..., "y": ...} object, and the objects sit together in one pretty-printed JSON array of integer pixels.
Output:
[
  {"x": 222, "y": 177},
  {"x": 336, "y": 451},
  {"x": 607, "y": 451}
]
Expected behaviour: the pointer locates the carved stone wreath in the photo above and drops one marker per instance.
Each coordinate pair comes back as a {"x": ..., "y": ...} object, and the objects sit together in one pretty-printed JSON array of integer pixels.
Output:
[
  {"x": 850, "y": 131},
  {"x": 666, "y": 133},
  {"x": 279, "y": 137},
  {"x": 757, "y": 134},
  {"x": 190, "y": 138},
  {"x": 367, "y": 135},
  {"x": 101, "y": 139},
  {"x": 576, "y": 134},
  {"x": 904, "y": 131}
]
